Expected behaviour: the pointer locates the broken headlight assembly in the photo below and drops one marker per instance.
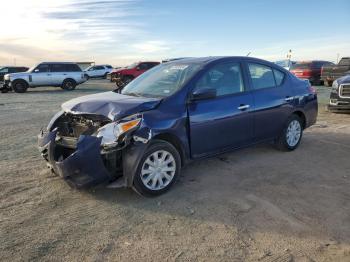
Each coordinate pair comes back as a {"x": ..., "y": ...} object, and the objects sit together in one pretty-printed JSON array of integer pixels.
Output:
[{"x": 110, "y": 133}]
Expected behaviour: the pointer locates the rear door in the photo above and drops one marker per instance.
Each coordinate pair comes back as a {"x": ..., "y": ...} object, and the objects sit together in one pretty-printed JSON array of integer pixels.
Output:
[
  {"x": 225, "y": 121},
  {"x": 273, "y": 98},
  {"x": 41, "y": 76},
  {"x": 58, "y": 73}
]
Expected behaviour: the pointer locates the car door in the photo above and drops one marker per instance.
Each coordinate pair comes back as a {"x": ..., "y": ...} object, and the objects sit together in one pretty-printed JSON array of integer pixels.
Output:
[
  {"x": 273, "y": 99},
  {"x": 58, "y": 74},
  {"x": 41, "y": 76},
  {"x": 223, "y": 121}
]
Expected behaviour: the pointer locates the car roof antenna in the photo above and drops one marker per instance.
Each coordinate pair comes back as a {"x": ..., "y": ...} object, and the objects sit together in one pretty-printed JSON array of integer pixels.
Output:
[{"x": 248, "y": 54}]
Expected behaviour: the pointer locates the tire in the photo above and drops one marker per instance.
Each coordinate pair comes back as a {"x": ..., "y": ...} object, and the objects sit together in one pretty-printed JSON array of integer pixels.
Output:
[
  {"x": 68, "y": 85},
  {"x": 105, "y": 75},
  {"x": 20, "y": 86},
  {"x": 292, "y": 128},
  {"x": 87, "y": 77},
  {"x": 158, "y": 149}
]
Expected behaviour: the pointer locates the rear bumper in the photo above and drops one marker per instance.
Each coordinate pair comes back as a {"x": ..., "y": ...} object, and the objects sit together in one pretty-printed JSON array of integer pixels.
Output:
[{"x": 83, "y": 167}]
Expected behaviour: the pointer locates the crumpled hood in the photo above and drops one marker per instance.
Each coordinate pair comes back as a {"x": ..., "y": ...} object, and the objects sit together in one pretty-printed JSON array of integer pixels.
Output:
[{"x": 110, "y": 104}]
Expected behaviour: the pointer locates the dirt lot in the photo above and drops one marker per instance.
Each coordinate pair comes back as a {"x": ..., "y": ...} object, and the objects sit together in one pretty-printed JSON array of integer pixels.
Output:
[{"x": 256, "y": 204}]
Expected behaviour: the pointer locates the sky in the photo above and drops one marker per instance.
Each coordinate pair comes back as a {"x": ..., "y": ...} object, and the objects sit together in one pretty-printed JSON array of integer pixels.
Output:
[{"x": 119, "y": 32}]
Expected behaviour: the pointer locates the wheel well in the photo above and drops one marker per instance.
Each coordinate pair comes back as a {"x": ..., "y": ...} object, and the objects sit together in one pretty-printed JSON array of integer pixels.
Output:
[
  {"x": 71, "y": 79},
  {"x": 172, "y": 139},
  {"x": 302, "y": 117},
  {"x": 20, "y": 80}
]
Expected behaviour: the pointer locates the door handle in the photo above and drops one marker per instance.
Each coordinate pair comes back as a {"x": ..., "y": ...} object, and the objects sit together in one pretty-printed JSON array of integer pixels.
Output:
[
  {"x": 289, "y": 98},
  {"x": 243, "y": 107}
]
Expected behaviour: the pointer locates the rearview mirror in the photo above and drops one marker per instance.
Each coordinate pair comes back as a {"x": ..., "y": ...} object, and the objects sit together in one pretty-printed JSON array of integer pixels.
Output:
[{"x": 203, "y": 93}]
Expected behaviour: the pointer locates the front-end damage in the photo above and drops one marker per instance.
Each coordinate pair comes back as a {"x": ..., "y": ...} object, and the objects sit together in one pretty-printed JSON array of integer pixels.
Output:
[{"x": 83, "y": 151}]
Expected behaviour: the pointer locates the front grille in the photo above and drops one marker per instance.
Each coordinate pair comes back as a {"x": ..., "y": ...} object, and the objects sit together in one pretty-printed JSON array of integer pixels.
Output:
[{"x": 344, "y": 91}]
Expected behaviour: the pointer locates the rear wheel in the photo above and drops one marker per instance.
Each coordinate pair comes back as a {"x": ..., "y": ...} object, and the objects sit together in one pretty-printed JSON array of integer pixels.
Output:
[
  {"x": 158, "y": 169},
  {"x": 20, "y": 86},
  {"x": 291, "y": 135},
  {"x": 68, "y": 84}
]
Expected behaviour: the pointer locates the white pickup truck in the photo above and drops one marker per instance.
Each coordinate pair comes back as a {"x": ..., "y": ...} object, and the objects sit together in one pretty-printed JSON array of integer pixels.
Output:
[{"x": 59, "y": 74}]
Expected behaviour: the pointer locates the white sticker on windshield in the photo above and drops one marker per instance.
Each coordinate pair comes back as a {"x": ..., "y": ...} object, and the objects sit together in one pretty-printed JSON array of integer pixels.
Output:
[{"x": 178, "y": 67}]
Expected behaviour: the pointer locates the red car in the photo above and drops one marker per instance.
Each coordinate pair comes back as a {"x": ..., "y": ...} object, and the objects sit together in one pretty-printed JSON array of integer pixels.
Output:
[
  {"x": 310, "y": 70},
  {"x": 125, "y": 75}
]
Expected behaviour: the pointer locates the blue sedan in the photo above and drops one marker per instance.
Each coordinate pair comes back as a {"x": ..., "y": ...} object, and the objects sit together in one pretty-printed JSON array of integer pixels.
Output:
[{"x": 179, "y": 111}]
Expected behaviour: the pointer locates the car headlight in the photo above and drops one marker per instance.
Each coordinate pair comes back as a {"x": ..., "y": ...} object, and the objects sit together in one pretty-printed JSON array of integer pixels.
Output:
[
  {"x": 334, "y": 86},
  {"x": 112, "y": 131},
  {"x": 7, "y": 77}
]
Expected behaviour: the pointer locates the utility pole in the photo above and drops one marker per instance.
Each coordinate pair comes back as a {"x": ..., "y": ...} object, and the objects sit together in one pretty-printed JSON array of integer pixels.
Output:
[{"x": 289, "y": 57}]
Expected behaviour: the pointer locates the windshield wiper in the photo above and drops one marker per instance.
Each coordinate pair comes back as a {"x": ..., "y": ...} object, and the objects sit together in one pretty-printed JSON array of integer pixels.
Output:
[{"x": 132, "y": 94}]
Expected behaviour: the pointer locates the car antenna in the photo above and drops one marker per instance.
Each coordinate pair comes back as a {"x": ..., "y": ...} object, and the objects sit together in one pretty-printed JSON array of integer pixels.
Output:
[{"x": 248, "y": 54}]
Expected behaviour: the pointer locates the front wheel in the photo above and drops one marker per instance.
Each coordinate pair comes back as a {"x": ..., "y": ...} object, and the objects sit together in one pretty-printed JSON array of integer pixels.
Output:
[
  {"x": 68, "y": 84},
  {"x": 291, "y": 134},
  {"x": 158, "y": 169},
  {"x": 20, "y": 86}
]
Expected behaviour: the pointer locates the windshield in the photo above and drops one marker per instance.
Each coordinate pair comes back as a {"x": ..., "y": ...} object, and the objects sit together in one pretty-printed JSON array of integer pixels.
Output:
[
  {"x": 132, "y": 66},
  {"x": 161, "y": 81},
  {"x": 302, "y": 66},
  {"x": 3, "y": 70}
]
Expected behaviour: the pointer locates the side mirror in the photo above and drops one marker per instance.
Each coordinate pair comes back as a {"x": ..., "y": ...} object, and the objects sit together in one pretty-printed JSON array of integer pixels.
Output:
[
  {"x": 36, "y": 70},
  {"x": 203, "y": 93},
  {"x": 138, "y": 68}
]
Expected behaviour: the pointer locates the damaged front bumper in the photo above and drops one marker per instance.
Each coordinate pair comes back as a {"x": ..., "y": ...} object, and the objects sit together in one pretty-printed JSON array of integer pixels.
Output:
[
  {"x": 79, "y": 165},
  {"x": 84, "y": 162}
]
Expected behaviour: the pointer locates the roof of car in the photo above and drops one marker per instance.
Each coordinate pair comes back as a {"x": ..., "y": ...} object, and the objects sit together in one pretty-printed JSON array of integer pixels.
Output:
[
  {"x": 209, "y": 59},
  {"x": 58, "y": 63}
]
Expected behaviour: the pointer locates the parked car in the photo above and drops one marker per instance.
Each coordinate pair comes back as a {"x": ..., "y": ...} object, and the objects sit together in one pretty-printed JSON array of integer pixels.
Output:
[
  {"x": 332, "y": 72},
  {"x": 340, "y": 95},
  {"x": 176, "y": 112},
  {"x": 63, "y": 74},
  {"x": 310, "y": 70},
  {"x": 98, "y": 71},
  {"x": 125, "y": 75},
  {"x": 286, "y": 64},
  {"x": 110, "y": 74},
  {"x": 4, "y": 70}
]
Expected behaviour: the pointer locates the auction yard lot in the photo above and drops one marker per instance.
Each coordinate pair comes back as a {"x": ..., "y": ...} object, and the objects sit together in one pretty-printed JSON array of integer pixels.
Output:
[{"x": 253, "y": 204}]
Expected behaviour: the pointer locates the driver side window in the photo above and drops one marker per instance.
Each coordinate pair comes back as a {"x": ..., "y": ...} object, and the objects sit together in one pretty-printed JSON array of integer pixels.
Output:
[
  {"x": 225, "y": 78},
  {"x": 42, "y": 68}
]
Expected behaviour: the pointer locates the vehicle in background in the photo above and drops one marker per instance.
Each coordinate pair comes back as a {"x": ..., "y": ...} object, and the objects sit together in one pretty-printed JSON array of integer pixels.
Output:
[
  {"x": 173, "y": 59},
  {"x": 109, "y": 75},
  {"x": 61, "y": 74},
  {"x": 310, "y": 70},
  {"x": 125, "y": 75},
  {"x": 98, "y": 71},
  {"x": 141, "y": 136},
  {"x": 332, "y": 72},
  {"x": 4, "y": 70},
  {"x": 339, "y": 100},
  {"x": 286, "y": 64}
]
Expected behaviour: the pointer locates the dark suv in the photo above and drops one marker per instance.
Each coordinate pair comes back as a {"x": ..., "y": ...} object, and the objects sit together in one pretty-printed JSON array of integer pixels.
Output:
[
  {"x": 176, "y": 112},
  {"x": 340, "y": 95},
  {"x": 310, "y": 70}
]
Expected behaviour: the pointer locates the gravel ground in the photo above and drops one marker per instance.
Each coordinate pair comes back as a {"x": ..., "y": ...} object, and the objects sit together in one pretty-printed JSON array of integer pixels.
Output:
[{"x": 256, "y": 204}]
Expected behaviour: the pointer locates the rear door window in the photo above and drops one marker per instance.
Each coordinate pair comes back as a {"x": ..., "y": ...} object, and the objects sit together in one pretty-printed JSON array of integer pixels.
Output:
[
  {"x": 279, "y": 76},
  {"x": 58, "y": 68},
  {"x": 262, "y": 76}
]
